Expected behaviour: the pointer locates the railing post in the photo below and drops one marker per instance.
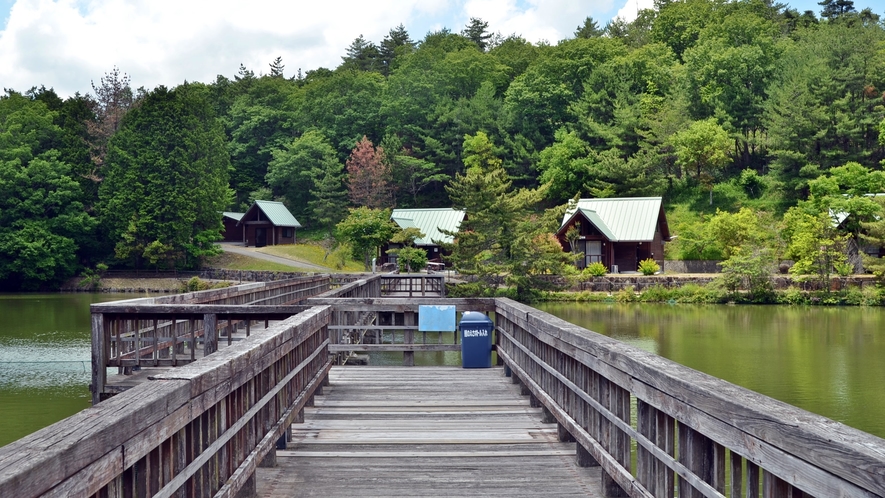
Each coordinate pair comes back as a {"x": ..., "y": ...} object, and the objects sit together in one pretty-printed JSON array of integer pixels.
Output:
[
  {"x": 409, "y": 320},
  {"x": 696, "y": 453},
  {"x": 210, "y": 334},
  {"x": 100, "y": 354}
]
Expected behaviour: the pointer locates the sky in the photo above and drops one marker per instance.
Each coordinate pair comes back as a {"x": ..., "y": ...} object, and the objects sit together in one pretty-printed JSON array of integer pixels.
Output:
[{"x": 68, "y": 44}]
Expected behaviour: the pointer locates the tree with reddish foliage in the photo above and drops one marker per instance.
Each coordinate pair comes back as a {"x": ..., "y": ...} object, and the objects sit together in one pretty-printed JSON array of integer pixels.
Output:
[
  {"x": 368, "y": 176},
  {"x": 113, "y": 99}
]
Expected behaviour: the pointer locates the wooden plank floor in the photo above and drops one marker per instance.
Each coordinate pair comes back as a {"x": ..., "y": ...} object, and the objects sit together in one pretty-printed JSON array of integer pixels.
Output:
[{"x": 424, "y": 431}]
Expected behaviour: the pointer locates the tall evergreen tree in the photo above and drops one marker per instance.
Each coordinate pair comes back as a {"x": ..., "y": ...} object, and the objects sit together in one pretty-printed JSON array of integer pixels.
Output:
[
  {"x": 834, "y": 9},
  {"x": 590, "y": 29},
  {"x": 362, "y": 55},
  {"x": 485, "y": 242},
  {"x": 277, "y": 67},
  {"x": 477, "y": 31},
  {"x": 395, "y": 44},
  {"x": 167, "y": 180}
]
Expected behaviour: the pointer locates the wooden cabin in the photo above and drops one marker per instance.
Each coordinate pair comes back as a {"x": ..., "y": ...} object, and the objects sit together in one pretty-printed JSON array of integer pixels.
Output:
[
  {"x": 232, "y": 233},
  {"x": 618, "y": 233},
  {"x": 429, "y": 222},
  {"x": 267, "y": 223}
]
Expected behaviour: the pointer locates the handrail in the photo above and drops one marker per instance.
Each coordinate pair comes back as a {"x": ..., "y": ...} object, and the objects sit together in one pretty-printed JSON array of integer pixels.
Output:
[
  {"x": 166, "y": 330},
  {"x": 198, "y": 430},
  {"x": 690, "y": 429}
]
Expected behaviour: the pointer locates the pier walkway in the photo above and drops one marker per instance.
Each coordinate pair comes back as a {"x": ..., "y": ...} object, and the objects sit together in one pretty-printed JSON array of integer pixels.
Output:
[
  {"x": 425, "y": 431},
  {"x": 275, "y": 413}
]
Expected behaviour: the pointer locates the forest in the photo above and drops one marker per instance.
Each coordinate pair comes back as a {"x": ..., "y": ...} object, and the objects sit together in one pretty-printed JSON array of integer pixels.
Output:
[{"x": 754, "y": 121}]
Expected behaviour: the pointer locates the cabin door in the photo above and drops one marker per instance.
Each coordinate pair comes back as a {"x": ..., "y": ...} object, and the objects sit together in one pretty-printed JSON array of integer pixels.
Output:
[{"x": 260, "y": 237}]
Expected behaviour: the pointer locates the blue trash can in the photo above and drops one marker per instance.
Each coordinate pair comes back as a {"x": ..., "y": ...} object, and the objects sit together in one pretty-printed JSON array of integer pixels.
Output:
[{"x": 476, "y": 340}]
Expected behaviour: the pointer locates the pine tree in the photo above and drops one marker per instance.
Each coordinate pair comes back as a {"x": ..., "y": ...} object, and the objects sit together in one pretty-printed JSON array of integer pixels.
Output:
[
  {"x": 477, "y": 31},
  {"x": 362, "y": 55},
  {"x": 590, "y": 29},
  {"x": 396, "y": 43},
  {"x": 276, "y": 68}
]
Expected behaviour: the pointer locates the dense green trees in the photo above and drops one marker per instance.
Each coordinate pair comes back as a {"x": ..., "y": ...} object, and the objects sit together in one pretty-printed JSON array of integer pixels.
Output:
[
  {"x": 746, "y": 104},
  {"x": 166, "y": 180},
  {"x": 366, "y": 230},
  {"x": 43, "y": 225},
  {"x": 501, "y": 239}
]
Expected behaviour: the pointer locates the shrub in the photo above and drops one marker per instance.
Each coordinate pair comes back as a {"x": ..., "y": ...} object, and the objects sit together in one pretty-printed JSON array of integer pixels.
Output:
[
  {"x": 843, "y": 268},
  {"x": 627, "y": 295},
  {"x": 649, "y": 267},
  {"x": 793, "y": 296},
  {"x": 92, "y": 278},
  {"x": 658, "y": 294},
  {"x": 195, "y": 284},
  {"x": 596, "y": 269}
]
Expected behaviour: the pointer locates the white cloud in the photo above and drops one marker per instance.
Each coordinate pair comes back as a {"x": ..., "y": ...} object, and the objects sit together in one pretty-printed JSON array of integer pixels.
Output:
[
  {"x": 632, "y": 7},
  {"x": 66, "y": 44},
  {"x": 536, "y": 20}
]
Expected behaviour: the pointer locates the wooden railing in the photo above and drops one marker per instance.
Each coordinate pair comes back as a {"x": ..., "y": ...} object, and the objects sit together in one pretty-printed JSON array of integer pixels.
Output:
[
  {"x": 169, "y": 330},
  {"x": 389, "y": 325},
  {"x": 413, "y": 285},
  {"x": 657, "y": 429},
  {"x": 200, "y": 430},
  {"x": 693, "y": 434}
]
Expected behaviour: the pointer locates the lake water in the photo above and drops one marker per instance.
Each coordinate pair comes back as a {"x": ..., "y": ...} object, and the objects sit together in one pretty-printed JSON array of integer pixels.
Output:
[
  {"x": 45, "y": 356},
  {"x": 829, "y": 361}
]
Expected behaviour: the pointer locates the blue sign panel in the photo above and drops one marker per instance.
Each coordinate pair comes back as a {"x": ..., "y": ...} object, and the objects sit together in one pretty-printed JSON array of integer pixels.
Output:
[{"x": 436, "y": 318}]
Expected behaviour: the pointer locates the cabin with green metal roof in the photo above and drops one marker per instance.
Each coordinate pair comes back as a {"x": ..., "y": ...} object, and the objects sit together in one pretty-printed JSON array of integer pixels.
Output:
[
  {"x": 267, "y": 223},
  {"x": 231, "y": 233},
  {"x": 618, "y": 232},
  {"x": 430, "y": 222}
]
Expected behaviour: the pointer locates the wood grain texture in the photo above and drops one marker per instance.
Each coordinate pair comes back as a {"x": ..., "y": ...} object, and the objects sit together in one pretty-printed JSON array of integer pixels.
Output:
[
  {"x": 818, "y": 455},
  {"x": 425, "y": 431}
]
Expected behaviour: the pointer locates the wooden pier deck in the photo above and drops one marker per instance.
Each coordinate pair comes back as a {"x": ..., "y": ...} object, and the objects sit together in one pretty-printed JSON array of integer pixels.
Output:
[{"x": 425, "y": 431}]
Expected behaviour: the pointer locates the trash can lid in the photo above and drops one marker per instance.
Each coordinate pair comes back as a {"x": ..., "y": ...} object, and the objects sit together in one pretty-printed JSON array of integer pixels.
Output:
[{"x": 475, "y": 317}]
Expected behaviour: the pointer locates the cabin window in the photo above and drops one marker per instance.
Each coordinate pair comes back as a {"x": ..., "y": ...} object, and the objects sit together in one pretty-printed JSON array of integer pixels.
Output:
[
  {"x": 288, "y": 232},
  {"x": 592, "y": 252}
]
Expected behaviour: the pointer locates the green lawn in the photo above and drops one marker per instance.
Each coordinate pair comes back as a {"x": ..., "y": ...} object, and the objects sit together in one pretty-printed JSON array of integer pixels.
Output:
[
  {"x": 237, "y": 262},
  {"x": 315, "y": 254}
]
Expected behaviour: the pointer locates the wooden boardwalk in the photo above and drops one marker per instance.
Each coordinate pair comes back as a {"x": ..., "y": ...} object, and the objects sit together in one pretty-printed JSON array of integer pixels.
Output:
[{"x": 425, "y": 431}]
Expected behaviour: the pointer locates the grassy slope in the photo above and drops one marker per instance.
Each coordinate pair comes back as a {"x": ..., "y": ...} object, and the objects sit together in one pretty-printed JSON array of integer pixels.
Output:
[
  {"x": 237, "y": 262},
  {"x": 312, "y": 253},
  {"x": 308, "y": 253}
]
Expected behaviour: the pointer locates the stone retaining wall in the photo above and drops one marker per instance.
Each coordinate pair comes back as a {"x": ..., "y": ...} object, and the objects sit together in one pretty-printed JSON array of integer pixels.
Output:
[
  {"x": 249, "y": 275},
  {"x": 686, "y": 266},
  {"x": 614, "y": 283}
]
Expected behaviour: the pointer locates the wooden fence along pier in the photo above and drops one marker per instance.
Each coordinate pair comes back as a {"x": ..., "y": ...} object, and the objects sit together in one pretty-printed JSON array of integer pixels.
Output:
[{"x": 572, "y": 412}]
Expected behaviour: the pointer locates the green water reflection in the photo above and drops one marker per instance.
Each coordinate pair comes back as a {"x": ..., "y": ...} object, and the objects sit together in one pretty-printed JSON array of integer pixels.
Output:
[
  {"x": 44, "y": 359},
  {"x": 829, "y": 361}
]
